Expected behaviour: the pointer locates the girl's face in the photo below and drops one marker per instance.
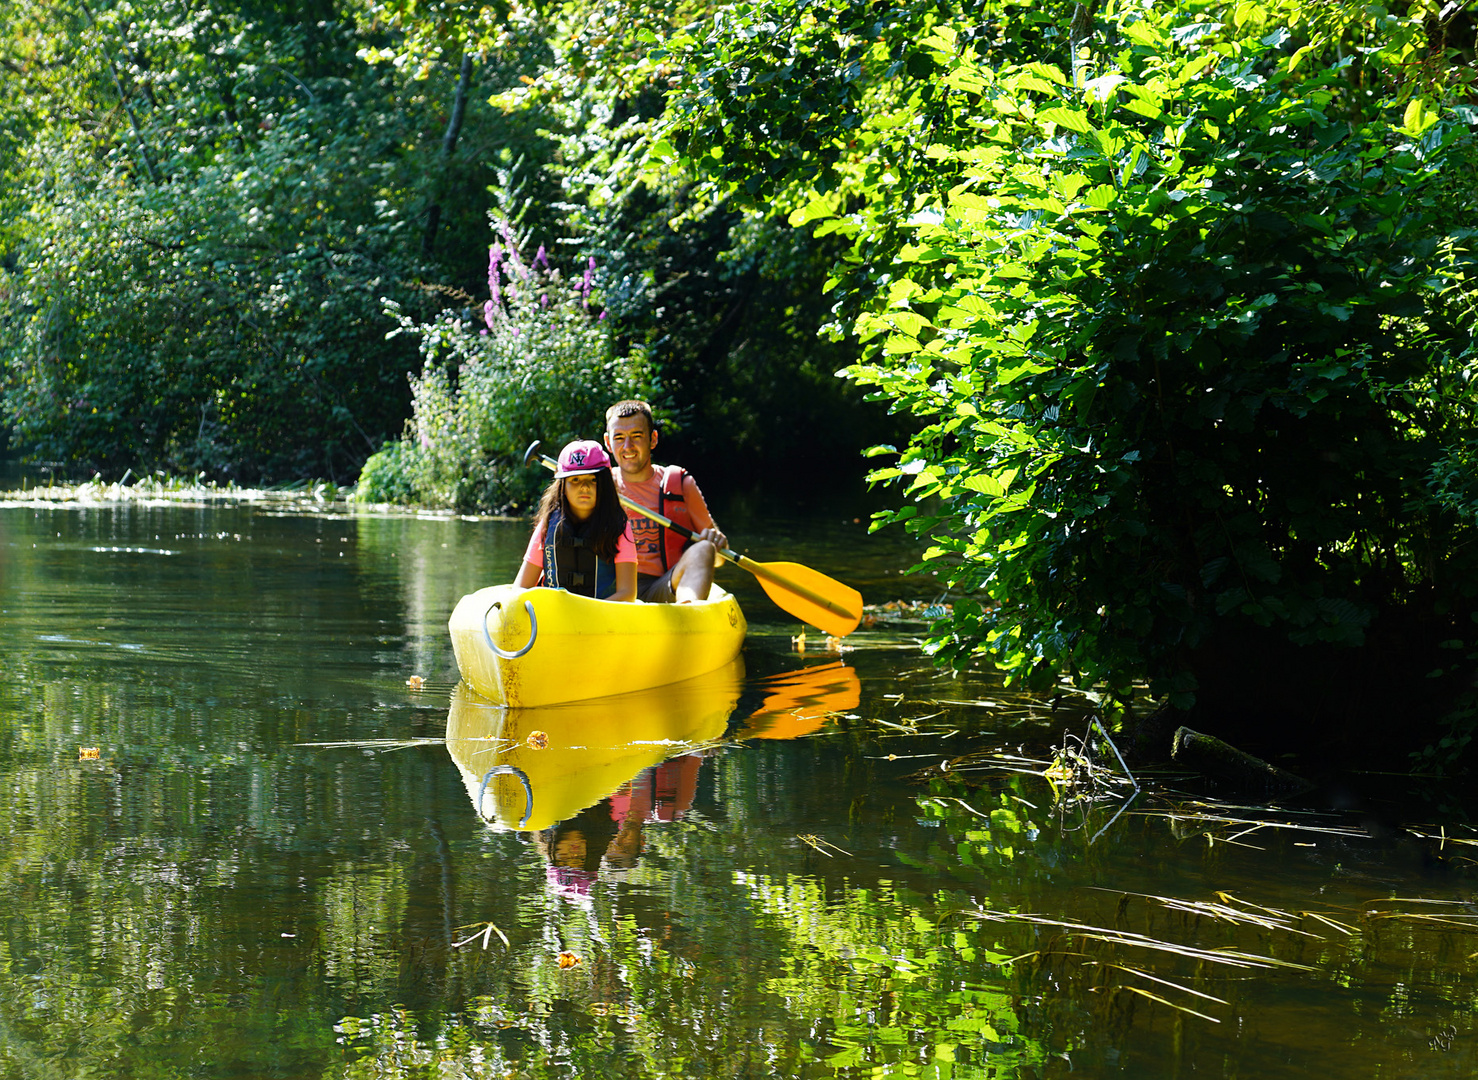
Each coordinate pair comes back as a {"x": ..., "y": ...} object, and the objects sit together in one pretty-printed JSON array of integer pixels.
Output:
[{"x": 580, "y": 495}]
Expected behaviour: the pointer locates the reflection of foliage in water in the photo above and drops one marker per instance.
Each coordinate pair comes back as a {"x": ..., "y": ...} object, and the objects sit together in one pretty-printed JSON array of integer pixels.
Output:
[
  {"x": 1102, "y": 968},
  {"x": 980, "y": 836},
  {"x": 359, "y": 909},
  {"x": 147, "y": 894},
  {"x": 897, "y": 982},
  {"x": 817, "y": 980}
]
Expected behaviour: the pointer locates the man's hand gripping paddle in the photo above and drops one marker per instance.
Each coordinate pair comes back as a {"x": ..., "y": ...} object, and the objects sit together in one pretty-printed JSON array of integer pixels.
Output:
[{"x": 807, "y": 594}]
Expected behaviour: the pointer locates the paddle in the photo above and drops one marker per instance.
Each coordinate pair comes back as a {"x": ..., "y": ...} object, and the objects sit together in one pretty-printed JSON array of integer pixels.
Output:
[{"x": 807, "y": 594}]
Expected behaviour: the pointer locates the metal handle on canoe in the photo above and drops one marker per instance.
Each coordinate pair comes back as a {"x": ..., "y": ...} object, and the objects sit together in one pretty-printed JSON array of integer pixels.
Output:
[
  {"x": 523, "y": 778},
  {"x": 528, "y": 605}
]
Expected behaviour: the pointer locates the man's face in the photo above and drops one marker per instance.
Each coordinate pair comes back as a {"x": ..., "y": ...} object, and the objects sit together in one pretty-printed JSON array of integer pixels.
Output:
[{"x": 630, "y": 443}]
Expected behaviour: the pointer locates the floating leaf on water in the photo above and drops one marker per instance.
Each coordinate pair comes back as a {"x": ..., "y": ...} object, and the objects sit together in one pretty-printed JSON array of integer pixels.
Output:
[
  {"x": 1228, "y": 957},
  {"x": 415, "y": 682},
  {"x": 537, "y": 740},
  {"x": 378, "y": 745},
  {"x": 1157, "y": 979},
  {"x": 1343, "y": 928},
  {"x": 87, "y": 753},
  {"x": 1164, "y": 1001},
  {"x": 1059, "y": 772},
  {"x": 568, "y": 959}
]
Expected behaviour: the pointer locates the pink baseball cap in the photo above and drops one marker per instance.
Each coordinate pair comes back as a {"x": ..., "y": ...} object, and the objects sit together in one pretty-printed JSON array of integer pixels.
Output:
[{"x": 581, "y": 457}]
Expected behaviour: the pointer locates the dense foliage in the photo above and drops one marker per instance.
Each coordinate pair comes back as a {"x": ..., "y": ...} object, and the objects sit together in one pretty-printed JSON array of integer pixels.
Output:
[
  {"x": 1183, "y": 297},
  {"x": 535, "y": 363},
  {"x": 1166, "y": 389},
  {"x": 725, "y": 302},
  {"x": 208, "y": 211},
  {"x": 207, "y": 214}
]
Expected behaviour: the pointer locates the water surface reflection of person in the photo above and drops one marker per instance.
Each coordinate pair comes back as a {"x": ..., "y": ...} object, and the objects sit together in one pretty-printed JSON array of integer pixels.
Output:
[
  {"x": 584, "y": 779},
  {"x": 606, "y": 839},
  {"x": 526, "y": 770}
]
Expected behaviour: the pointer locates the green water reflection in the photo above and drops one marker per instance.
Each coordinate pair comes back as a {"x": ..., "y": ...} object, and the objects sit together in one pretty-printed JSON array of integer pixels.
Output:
[{"x": 747, "y": 892}]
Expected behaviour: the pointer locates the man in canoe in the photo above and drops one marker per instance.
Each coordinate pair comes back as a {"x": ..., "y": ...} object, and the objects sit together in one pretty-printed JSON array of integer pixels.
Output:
[{"x": 669, "y": 569}]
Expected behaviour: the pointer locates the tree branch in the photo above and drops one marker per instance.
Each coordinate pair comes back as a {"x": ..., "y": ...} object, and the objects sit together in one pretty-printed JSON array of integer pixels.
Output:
[
  {"x": 448, "y": 148},
  {"x": 1079, "y": 31},
  {"x": 123, "y": 99}
]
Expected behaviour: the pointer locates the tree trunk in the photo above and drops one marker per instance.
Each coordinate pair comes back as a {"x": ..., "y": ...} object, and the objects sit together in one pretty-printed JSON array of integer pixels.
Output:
[
  {"x": 448, "y": 148},
  {"x": 1079, "y": 31},
  {"x": 138, "y": 133}
]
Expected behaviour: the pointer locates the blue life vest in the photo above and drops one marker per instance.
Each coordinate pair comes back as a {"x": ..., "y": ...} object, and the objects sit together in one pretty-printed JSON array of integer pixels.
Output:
[{"x": 570, "y": 563}]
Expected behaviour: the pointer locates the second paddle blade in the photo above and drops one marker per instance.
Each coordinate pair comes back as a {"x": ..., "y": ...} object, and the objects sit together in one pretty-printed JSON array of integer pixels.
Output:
[{"x": 810, "y": 596}]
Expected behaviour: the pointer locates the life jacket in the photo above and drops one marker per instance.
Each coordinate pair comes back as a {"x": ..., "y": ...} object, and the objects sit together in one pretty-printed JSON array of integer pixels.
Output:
[
  {"x": 671, "y": 492},
  {"x": 571, "y": 563}
]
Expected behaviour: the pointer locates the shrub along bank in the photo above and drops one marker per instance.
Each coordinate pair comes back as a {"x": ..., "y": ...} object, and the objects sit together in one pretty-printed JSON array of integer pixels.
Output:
[
  {"x": 213, "y": 228},
  {"x": 1183, "y": 297}
]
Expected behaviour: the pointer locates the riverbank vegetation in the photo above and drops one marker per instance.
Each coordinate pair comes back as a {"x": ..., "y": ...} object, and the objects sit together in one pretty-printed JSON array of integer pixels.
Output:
[
  {"x": 1172, "y": 305},
  {"x": 1183, "y": 297},
  {"x": 215, "y": 221},
  {"x": 309, "y": 496}
]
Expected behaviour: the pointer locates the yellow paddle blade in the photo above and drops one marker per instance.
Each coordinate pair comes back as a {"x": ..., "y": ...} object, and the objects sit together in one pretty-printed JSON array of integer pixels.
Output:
[{"x": 809, "y": 595}]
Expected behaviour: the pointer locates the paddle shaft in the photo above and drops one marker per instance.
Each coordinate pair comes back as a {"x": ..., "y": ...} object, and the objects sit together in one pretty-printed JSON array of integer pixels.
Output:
[{"x": 744, "y": 562}]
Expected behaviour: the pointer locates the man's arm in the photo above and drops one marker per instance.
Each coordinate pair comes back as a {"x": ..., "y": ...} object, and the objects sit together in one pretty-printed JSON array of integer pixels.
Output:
[{"x": 703, "y": 521}]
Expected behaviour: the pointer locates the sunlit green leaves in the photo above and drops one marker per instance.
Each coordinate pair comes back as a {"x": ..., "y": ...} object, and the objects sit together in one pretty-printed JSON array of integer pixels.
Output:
[
  {"x": 1071, "y": 119},
  {"x": 1121, "y": 291},
  {"x": 200, "y": 227}
]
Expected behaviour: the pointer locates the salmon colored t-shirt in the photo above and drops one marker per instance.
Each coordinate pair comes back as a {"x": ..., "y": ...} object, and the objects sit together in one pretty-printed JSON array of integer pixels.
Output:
[
  {"x": 647, "y": 533},
  {"x": 534, "y": 553}
]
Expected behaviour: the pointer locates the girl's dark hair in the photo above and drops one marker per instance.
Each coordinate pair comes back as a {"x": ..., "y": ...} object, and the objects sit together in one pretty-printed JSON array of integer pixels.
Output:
[{"x": 604, "y": 528}]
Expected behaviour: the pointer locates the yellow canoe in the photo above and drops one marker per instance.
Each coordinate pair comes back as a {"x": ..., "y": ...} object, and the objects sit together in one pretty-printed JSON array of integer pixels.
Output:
[
  {"x": 530, "y": 647},
  {"x": 529, "y": 769}
]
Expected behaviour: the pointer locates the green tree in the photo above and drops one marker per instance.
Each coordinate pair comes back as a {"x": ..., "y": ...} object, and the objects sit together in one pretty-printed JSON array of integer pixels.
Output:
[
  {"x": 208, "y": 210},
  {"x": 724, "y": 300},
  {"x": 205, "y": 210},
  {"x": 1182, "y": 297}
]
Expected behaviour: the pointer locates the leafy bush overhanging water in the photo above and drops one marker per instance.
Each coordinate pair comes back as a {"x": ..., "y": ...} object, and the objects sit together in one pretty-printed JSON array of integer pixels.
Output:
[{"x": 1183, "y": 297}]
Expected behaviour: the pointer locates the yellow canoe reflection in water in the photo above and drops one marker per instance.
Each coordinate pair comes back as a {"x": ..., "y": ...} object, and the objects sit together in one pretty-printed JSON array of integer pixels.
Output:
[
  {"x": 528, "y": 769},
  {"x": 585, "y": 778}
]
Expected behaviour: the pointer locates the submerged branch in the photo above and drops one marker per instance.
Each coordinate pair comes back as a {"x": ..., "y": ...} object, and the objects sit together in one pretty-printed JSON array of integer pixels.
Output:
[{"x": 1229, "y": 957}]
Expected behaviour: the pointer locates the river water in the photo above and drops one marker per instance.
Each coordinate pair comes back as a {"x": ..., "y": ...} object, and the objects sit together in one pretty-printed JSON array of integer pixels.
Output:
[{"x": 235, "y": 842}]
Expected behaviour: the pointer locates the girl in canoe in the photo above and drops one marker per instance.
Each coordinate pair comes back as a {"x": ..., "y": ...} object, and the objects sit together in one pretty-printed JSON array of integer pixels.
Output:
[{"x": 581, "y": 532}]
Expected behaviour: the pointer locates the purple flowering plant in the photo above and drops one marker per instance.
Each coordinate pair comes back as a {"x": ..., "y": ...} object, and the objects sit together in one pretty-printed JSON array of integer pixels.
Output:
[{"x": 539, "y": 362}]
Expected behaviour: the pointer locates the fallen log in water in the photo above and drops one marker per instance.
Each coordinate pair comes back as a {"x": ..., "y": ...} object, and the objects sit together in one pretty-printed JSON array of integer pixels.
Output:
[{"x": 1222, "y": 761}]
